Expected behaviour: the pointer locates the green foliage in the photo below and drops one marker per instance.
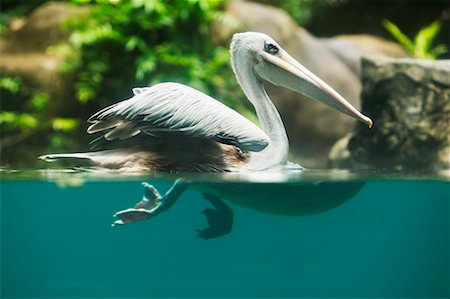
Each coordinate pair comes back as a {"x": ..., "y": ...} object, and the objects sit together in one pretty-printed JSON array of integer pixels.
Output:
[
  {"x": 129, "y": 43},
  {"x": 64, "y": 124},
  {"x": 19, "y": 115},
  {"x": 14, "y": 120},
  {"x": 11, "y": 84},
  {"x": 302, "y": 10},
  {"x": 422, "y": 45},
  {"x": 26, "y": 116}
]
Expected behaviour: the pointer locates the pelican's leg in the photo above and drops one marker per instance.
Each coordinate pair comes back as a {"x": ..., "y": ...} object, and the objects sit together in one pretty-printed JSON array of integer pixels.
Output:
[
  {"x": 220, "y": 219},
  {"x": 152, "y": 203}
]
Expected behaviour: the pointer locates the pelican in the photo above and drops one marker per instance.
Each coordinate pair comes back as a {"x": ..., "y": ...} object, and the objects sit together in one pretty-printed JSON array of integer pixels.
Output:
[{"x": 171, "y": 126}]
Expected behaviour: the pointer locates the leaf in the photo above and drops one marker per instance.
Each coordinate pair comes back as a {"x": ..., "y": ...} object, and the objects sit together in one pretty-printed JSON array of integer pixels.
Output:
[
  {"x": 145, "y": 65},
  {"x": 94, "y": 35},
  {"x": 17, "y": 120},
  {"x": 81, "y": 1},
  {"x": 84, "y": 91},
  {"x": 11, "y": 84},
  {"x": 64, "y": 124},
  {"x": 399, "y": 36},
  {"x": 424, "y": 39},
  {"x": 40, "y": 101},
  {"x": 439, "y": 50}
]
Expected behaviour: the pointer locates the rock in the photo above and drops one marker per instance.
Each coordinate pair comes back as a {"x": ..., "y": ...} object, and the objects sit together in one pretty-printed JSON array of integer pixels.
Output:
[
  {"x": 339, "y": 153},
  {"x": 409, "y": 101},
  {"x": 312, "y": 127},
  {"x": 24, "y": 48},
  {"x": 42, "y": 28},
  {"x": 350, "y": 48}
]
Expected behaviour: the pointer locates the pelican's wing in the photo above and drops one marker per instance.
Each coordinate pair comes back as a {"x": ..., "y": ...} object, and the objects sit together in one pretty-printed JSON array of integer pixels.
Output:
[{"x": 177, "y": 108}]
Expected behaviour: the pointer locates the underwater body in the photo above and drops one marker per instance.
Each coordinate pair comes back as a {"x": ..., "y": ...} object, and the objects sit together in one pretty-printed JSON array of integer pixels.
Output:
[{"x": 352, "y": 236}]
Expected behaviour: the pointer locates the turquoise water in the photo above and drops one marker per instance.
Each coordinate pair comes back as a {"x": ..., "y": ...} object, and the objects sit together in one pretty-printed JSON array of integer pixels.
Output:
[{"x": 377, "y": 238}]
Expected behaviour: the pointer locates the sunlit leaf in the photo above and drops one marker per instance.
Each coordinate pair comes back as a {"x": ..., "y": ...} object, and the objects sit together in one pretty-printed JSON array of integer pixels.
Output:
[
  {"x": 81, "y": 1},
  {"x": 11, "y": 84},
  {"x": 40, "y": 101},
  {"x": 17, "y": 120},
  {"x": 64, "y": 124},
  {"x": 84, "y": 92},
  {"x": 425, "y": 38},
  {"x": 399, "y": 36}
]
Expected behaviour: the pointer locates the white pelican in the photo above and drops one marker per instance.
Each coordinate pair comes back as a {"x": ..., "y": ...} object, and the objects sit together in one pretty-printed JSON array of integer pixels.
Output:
[{"x": 171, "y": 126}]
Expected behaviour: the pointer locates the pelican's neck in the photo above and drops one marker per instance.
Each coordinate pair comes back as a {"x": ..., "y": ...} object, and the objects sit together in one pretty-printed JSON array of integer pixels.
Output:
[{"x": 277, "y": 150}]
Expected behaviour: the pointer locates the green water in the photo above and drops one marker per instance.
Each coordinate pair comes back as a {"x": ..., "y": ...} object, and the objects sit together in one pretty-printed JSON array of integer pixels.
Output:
[{"x": 388, "y": 239}]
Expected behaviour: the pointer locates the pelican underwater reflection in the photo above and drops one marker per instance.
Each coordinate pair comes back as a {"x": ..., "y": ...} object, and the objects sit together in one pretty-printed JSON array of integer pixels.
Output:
[{"x": 171, "y": 126}]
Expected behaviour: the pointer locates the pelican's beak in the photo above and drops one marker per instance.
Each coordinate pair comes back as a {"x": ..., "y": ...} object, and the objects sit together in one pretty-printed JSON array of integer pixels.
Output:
[{"x": 283, "y": 70}]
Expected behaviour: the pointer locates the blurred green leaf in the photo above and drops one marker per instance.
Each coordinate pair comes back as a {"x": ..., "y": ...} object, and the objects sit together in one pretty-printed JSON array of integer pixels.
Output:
[
  {"x": 302, "y": 10},
  {"x": 84, "y": 91},
  {"x": 64, "y": 124},
  {"x": 145, "y": 65},
  {"x": 16, "y": 120},
  {"x": 439, "y": 50},
  {"x": 3, "y": 29},
  {"x": 399, "y": 36},
  {"x": 70, "y": 55},
  {"x": 11, "y": 84},
  {"x": 81, "y": 1},
  {"x": 424, "y": 39},
  {"x": 40, "y": 101},
  {"x": 61, "y": 141}
]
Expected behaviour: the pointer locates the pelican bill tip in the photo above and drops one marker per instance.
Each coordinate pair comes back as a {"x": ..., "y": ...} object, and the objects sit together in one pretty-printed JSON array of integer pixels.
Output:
[{"x": 370, "y": 123}]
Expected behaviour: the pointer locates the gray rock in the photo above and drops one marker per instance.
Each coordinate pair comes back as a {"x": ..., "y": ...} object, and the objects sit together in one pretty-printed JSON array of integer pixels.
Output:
[
  {"x": 409, "y": 101},
  {"x": 351, "y": 48},
  {"x": 24, "y": 48},
  {"x": 312, "y": 127},
  {"x": 42, "y": 28}
]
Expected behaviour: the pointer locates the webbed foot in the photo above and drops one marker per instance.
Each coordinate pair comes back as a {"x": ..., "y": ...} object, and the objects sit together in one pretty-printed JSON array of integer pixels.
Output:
[
  {"x": 220, "y": 219},
  {"x": 131, "y": 215},
  {"x": 143, "y": 210},
  {"x": 152, "y": 203}
]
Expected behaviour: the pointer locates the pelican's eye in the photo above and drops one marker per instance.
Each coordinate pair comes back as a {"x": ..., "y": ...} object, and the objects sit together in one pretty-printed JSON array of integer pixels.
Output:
[{"x": 271, "y": 48}]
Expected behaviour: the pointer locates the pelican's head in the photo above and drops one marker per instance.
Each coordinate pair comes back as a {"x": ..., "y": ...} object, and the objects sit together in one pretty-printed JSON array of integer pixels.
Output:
[{"x": 265, "y": 59}]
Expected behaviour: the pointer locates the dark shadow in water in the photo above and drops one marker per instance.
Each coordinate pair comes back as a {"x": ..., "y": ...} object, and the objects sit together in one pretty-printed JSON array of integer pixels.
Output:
[{"x": 289, "y": 199}]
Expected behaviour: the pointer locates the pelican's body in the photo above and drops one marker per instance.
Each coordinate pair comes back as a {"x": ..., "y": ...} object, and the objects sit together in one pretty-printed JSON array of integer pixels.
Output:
[{"x": 171, "y": 126}]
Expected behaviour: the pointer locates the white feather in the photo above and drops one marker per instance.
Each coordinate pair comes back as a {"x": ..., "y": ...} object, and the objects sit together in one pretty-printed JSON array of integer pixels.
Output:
[{"x": 180, "y": 108}]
